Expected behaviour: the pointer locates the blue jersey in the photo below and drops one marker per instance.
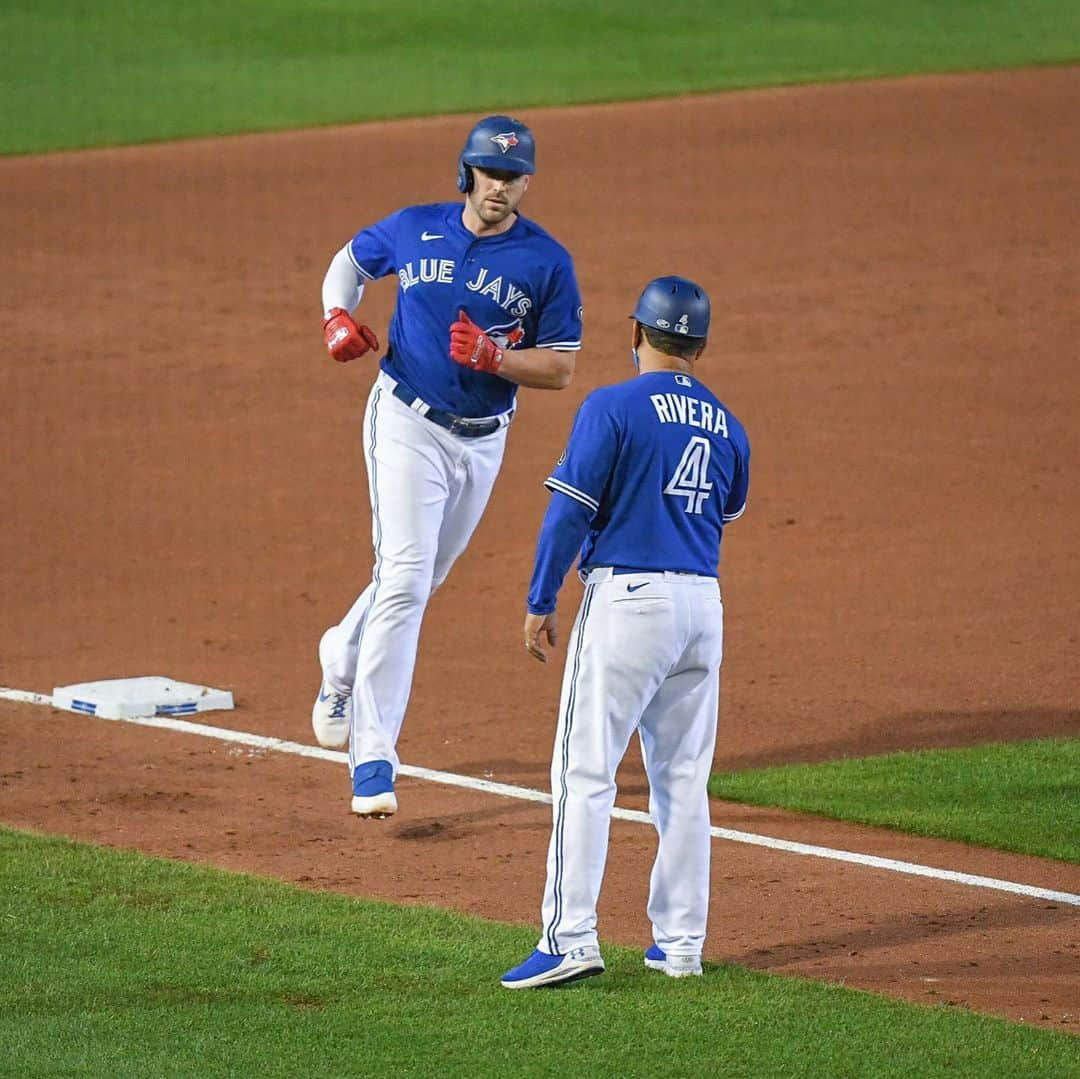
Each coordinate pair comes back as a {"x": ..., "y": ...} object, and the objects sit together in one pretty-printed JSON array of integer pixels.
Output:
[
  {"x": 654, "y": 469},
  {"x": 519, "y": 287}
]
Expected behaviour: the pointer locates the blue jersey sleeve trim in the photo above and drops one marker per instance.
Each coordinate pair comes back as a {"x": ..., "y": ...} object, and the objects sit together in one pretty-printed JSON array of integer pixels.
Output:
[
  {"x": 553, "y": 484},
  {"x": 359, "y": 269},
  {"x": 559, "y": 316},
  {"x": 735, "y": 504}
]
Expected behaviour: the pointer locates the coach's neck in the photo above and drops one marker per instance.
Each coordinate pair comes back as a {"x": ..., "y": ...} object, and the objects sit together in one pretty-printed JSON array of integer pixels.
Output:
[{"x": 651, "y": 359}]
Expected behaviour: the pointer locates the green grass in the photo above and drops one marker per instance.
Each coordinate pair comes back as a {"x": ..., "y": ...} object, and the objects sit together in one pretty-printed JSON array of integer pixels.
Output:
[
  {"x": 77, "y": 74},
  {"x": 120, "y": 965},
  {"x": 1020, "y": 796}
]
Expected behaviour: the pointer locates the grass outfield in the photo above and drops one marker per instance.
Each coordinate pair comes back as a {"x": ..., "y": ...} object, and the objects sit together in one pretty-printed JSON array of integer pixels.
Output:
[
  {"x": 1019, "y": 796},
  {"x": 121, "y": 965},
  {"x": 76, "y": 74}
]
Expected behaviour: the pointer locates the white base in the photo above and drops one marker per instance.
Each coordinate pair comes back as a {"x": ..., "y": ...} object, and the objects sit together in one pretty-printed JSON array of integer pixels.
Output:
[{"x": 131, "y": 698}]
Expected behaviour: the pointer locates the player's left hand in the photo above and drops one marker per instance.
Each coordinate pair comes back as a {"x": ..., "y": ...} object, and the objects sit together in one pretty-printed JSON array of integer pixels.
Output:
[
  {"x": 471, "y": 347},
  {"x": 537, "y": 626}
]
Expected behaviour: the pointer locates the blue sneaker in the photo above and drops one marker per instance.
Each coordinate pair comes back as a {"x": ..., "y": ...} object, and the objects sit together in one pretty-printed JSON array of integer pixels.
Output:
[
  {"x": 330, "y": 718},
  {"x": 542, "y": 969},
  {"x": 373, "y": 790},
  {"x": 674, "y": 966}
]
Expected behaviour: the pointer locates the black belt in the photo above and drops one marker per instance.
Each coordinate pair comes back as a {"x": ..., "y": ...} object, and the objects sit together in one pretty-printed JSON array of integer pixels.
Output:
[{"x": 463, "y": 426}]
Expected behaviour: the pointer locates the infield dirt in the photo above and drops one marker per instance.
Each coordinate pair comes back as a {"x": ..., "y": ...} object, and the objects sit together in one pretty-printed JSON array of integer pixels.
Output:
[{"x": 894, "y": 275}]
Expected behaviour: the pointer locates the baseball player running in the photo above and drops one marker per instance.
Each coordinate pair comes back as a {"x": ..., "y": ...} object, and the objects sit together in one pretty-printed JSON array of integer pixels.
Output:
[
  {"x": 654, "y": 469},
  {"x": 487, "y": 301}
]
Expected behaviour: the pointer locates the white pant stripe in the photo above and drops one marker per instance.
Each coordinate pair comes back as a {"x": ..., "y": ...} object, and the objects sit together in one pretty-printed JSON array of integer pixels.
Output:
[{"x": 560, "y": 817}]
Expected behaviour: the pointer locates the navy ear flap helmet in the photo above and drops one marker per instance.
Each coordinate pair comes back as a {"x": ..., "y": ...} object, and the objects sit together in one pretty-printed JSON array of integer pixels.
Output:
[
  {"x": 674, "y": 305},
  {"x": 497, "y": 142}
]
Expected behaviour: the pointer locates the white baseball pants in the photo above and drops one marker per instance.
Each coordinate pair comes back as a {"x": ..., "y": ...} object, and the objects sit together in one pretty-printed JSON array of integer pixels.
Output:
[
  {"x": 644, "y": 654},
  {"x": 428, "y": 490}
]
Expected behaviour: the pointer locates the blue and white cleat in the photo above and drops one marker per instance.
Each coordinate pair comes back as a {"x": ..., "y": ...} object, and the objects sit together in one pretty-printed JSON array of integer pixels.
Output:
[
  {"x": 674, "y": 966},
  {"x": 542, "y": 969},
  {"x": 330, "y": 717},
  {"x": 373, "y": 790}
]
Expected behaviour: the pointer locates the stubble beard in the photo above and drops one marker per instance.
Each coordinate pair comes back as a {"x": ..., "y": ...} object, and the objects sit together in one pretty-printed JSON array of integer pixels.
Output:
[{"x": 493, "y": 213}]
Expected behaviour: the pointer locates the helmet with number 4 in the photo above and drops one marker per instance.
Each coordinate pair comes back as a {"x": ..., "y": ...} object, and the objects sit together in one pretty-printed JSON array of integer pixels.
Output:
[
  {"x": 674, "y": 305},
  {"x": 497, "y": 142}
]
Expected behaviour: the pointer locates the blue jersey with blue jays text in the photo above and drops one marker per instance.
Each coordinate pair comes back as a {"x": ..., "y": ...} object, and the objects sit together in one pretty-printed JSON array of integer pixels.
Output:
[
  {"x": 661, "y": 466},
  {"x": 519, "y": 287}
]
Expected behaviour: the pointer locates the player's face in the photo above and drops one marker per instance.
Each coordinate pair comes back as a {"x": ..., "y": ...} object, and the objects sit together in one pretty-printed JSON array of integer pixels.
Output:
[{"x": 496, "y": 193}]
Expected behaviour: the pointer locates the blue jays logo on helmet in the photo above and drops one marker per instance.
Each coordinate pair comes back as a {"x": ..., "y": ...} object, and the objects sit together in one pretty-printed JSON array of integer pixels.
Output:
[
  {"x": 497, "y": 142},
  {"x": 505, "y": 141},
  {"x": 674, "y": 305}
]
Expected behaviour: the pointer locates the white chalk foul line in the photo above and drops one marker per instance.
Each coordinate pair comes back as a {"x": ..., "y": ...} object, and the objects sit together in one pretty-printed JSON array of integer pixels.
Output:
[
  {"x": 23, "y": 696},
  {"x": 450, "y": 779}
]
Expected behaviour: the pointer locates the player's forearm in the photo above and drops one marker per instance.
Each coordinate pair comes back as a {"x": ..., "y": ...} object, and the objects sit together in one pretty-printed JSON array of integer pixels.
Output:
[
  {"x": 342, "y": 286},
  {"x": 565, "y": 525},
  {"x": 538, "y": 368}
]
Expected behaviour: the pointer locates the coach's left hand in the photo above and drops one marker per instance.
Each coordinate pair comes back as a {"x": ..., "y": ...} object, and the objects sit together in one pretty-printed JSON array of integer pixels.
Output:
[
  {"x": 537, "y": 626},
  {"x": 471, "y": 347}
]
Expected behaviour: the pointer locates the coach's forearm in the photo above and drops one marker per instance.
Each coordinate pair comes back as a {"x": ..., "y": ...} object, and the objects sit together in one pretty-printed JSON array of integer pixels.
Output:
[
  {"x": 539, "y": 368},
  {"x": 564, "y": 528}
]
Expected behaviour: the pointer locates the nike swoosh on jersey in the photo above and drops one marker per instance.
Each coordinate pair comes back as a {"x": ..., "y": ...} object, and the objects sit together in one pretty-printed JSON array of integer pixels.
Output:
[
  {"x": 635, "y": 587},
  {"x": 324, "y": 696},
  {"x": 425, "y": 235}
]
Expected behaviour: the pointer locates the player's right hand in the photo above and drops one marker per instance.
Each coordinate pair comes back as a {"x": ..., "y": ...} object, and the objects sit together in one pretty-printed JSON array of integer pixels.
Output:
[
  {"x": 536, "y": 627},
  {"x": 345, "y": 339}
]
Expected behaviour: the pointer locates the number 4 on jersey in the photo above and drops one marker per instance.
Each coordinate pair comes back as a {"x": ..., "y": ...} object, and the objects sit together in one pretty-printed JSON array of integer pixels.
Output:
[{"x": 689, "y": 481}]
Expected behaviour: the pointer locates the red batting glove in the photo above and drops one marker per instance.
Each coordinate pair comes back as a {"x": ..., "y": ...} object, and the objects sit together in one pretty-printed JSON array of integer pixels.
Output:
[
  {"x": 471, "y": 347},
  {"x": 345, "y": 339}
]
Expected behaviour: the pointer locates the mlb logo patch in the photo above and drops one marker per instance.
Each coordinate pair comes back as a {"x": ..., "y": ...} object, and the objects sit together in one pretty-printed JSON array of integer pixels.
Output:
[
  {"x": 682, "y": 380},
  {"x": 504, "y": 141}
]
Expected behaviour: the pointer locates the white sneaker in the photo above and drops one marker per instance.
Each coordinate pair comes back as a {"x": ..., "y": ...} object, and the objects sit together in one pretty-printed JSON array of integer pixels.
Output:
[
  {"x": 376, "y": 807},
  {"x": 674, "y": 966},
  {"x": 330, "y": 717}
]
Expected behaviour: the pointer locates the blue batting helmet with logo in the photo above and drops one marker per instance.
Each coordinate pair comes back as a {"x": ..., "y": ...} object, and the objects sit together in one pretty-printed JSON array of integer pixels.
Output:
[
  {"x": 497, "y": 142},
  {"x": 674, "y": 305}
]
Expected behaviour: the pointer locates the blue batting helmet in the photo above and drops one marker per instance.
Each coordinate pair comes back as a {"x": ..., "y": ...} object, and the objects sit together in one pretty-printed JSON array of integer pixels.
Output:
[
  {"x": 497, "y": 142},
  {"x": 674, "y": 305}
]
